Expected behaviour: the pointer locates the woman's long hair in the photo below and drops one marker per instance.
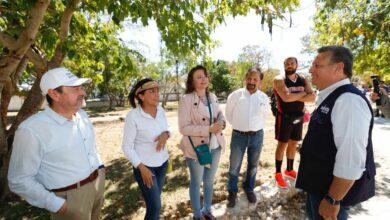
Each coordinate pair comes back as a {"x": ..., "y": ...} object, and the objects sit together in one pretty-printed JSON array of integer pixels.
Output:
[
  {"x": 190, "y": 79},
  {"x": 133, "y": 96}
]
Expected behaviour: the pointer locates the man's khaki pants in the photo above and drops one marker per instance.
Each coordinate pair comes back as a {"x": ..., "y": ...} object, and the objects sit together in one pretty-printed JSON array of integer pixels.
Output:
[{"x": 85, "y": 202}]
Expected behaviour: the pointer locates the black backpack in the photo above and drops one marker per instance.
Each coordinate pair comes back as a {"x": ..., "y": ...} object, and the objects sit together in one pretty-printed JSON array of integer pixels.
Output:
[{"x": 274, "y": 105}]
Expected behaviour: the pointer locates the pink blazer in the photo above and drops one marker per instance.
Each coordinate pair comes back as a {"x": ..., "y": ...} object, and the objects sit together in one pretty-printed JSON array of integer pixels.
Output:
[{"x": 194, "y": 121}]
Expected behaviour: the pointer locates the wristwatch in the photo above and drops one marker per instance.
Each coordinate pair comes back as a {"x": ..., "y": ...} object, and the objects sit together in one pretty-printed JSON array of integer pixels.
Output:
[{"x": 331, "y": 200}]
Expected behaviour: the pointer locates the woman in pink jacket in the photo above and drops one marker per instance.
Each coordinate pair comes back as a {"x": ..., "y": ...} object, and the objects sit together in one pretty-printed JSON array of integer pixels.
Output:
[{"x": 195, "y": 122}]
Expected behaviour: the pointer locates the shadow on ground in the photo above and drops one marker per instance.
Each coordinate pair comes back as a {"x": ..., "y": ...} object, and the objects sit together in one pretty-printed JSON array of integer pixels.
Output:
[
  {"x": 123, "y": 197},
  {"x": 381, "y": 189},
  {"x": 15, "y": 208}
]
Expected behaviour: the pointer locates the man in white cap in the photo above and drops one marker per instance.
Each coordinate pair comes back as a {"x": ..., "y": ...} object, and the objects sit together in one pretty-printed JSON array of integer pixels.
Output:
[{"x": 54, "y": 163}]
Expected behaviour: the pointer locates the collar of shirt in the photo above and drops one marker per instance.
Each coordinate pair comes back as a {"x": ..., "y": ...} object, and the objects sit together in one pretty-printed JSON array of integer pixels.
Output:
[
  {"x": 247, "y": 112},
  {"x": 247, "y": 93},
  {"x": 147, "y": 115},
  {"x": 327, "y": 91},
  {"x": 292, "y": 80},
  {"x": 59, "y": 118},
  {"x": 197, "y": 100}
]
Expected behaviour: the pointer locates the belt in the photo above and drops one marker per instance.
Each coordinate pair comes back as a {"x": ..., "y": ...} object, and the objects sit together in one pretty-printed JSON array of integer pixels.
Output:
[
  {"x": 247, "y": 132},
  {"x": 89, "y": 179}
]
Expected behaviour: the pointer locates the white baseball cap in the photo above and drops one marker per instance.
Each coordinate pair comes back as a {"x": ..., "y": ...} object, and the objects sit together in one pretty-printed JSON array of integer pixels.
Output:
[{"x": 61, "y": 76}]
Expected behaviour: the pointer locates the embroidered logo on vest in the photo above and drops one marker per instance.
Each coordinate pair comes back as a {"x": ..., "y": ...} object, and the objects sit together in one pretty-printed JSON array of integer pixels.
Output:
[{"x": 324, "y": 109}]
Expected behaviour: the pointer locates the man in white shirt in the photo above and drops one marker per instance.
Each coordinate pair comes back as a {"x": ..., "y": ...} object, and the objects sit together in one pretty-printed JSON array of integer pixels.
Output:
[
  {"x": 246, "y": 110},
  {"x": 54, "y": 163},
  {"x": 337, "y": 166}
]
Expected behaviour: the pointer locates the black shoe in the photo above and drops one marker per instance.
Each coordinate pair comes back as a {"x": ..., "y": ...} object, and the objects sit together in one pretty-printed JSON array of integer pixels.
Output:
[
  {"x": 251, "y": 197},
  {"x": 232, "y": 199},
  {"x": 209, "y": 216}
]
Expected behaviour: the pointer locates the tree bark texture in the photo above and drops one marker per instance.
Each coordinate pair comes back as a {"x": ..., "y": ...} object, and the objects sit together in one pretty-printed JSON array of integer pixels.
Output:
[
  {"x": 34, "y": 99},
  {"x": 18, "y": 49},
  {"x": 8, "y": 65}
]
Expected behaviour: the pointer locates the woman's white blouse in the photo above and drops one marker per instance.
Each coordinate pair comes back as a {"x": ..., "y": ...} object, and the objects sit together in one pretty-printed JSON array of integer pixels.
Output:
[{"x": 140, "y": 132}]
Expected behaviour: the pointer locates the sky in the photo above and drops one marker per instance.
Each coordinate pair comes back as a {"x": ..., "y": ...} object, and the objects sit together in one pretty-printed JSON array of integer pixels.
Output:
[{"x": 238, "y": 32}]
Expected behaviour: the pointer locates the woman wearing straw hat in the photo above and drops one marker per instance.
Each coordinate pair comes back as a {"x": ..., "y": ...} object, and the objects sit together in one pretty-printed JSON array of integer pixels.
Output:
[{"x": 144, "y": 139}]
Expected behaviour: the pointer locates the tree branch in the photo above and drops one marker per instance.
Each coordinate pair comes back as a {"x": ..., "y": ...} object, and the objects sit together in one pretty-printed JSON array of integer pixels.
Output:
[
  {"x": 7, "y": 41},
  {"x": 18, "y": 48},
  {"x": 9, "y": 90},
  {"x": 15, "y": 77},
  {"x": 5, "y": 100},
  {"x": 30, "y": 106},
  {"x": 66, "y": 18},
  {"x": 28, "y": 35},
  {"x": 36, "y": 58},
  {"x": 32, "y": 53}
]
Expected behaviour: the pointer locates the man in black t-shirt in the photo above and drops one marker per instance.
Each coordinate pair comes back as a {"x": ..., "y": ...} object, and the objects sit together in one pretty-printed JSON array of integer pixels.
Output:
[{"x": 291, "y": 91}]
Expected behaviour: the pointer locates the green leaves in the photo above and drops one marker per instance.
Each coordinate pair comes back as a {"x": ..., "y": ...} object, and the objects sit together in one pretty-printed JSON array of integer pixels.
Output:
[
  {"x": 363, "y": 26},
  {"x": 185, "y": 26},
  {"x": 222, "y": 81},
  {"x": 92, "y": 47}
]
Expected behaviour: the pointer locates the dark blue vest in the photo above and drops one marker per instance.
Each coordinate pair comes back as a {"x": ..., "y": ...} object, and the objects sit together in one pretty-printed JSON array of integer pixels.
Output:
[{"x": 318, "y": 154}]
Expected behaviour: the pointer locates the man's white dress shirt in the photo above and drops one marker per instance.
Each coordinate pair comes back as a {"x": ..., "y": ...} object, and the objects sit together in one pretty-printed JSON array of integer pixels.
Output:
[
  {"x": 351, "y": 118},
  {"x": 51, "y": 152},
  {"x": 247, "y": 112}
]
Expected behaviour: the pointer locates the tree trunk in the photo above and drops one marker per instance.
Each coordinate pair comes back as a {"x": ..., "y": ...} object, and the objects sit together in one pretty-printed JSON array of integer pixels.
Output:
[
  {"x": 9, "y": 90},
  {"x": 121, "y": 100},
  {"x": 66, "y": 18},
  {"x": 30, "y": 106},
  {"x": 8, "y": 65},
  {"x": 34, "y": 98},
  {"x": 164, "y": 99},
  {"x": 4, "y": 162},
  {"x": 113, "y": 101}
]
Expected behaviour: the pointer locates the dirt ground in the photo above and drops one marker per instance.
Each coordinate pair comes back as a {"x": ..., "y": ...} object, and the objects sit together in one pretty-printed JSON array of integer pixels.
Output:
[{"x": 123, "y": 199}]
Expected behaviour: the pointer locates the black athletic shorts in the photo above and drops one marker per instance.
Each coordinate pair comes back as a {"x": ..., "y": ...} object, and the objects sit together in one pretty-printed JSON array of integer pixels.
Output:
[{"x": 288, "y": 127}]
